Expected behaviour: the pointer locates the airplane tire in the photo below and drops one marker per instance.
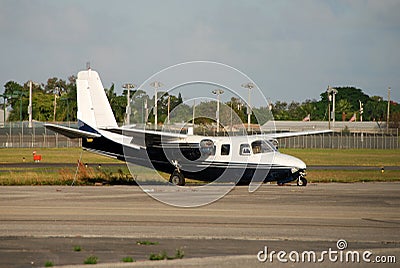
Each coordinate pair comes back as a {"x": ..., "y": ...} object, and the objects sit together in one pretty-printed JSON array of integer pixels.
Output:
[
  {"x": 177, "y": 178},
  {"x": 302, "y": 181}
]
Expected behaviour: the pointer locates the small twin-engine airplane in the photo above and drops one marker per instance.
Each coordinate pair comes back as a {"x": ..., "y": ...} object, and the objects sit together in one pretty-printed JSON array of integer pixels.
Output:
[{"x": 240, "y": 159}]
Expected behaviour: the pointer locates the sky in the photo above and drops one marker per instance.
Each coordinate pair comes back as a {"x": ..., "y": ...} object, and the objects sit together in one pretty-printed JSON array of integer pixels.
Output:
[{"x": 292, "y": 50}]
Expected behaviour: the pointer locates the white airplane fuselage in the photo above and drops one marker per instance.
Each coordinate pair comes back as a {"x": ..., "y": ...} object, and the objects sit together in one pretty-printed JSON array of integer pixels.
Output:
[{"x": 226, "y": 159}]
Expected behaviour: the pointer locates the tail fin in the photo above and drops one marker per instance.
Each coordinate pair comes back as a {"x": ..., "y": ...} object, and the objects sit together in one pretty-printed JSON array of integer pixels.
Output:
[{"x": 94, "y": 110}]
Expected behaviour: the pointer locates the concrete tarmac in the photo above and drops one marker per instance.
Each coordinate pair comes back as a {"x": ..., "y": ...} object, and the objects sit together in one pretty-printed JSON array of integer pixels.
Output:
[{"x": 45, "y": 223}]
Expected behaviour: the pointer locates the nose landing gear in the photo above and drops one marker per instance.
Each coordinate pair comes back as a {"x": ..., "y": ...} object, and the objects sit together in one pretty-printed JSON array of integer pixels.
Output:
[{"x": 301, "y": 181}]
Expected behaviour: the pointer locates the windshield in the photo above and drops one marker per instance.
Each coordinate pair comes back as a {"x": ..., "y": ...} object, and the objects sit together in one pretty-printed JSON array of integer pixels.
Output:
[{"x": 262, "y": 146}]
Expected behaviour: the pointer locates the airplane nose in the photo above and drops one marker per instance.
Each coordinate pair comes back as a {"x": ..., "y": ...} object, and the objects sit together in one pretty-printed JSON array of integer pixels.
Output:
[
  {"x": 289, "y": 161},
  {"x": 300, "y": 163}
]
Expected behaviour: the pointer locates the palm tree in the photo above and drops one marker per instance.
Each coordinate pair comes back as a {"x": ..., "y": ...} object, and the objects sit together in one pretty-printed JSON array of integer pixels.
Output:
[{"x": 343, "y": 107}]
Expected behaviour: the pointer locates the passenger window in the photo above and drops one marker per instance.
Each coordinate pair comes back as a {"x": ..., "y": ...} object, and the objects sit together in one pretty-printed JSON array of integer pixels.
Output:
[
  {"x": 207, "y": 147},
  {"x": 225, "y": 148},
  {"x": 245, "y": 149}
]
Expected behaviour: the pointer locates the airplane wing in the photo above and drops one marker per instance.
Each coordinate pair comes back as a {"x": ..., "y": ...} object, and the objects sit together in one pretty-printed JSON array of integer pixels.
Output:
[
  {"x": 294, "y": 134},
  {"x": 136, "y": 131},
  {"x": 71, "y": 133},
  {"x": 154, "y": 138}
]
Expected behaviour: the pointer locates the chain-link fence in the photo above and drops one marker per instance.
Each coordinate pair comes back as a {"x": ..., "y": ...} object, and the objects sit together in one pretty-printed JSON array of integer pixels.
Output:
[
  {"x": 19, "y": 135},
  {"x": 357, "y": 140}
]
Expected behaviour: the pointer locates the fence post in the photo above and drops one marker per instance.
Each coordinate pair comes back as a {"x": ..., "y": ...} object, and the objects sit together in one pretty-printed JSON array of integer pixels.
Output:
[{"x": 370, "y": 145}]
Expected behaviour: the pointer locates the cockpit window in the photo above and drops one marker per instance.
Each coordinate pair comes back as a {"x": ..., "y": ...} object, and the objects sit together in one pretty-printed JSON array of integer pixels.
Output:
[{"x": 262, "y": 146}]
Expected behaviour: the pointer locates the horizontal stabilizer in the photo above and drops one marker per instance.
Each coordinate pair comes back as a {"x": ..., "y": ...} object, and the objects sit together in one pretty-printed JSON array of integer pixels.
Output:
[{"x": 71, "y": 133}]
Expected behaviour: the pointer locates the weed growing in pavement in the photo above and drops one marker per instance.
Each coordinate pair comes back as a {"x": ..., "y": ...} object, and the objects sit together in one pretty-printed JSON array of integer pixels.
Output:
[
  {"x": 157, "y": 257},
  {"x": 179, "y": 254},
  {"x": 48, "y": 264},
  {"x": 91, "y": 260},
  {"x": 146, "y": 243},
  {"x": 128, "y": 259}
]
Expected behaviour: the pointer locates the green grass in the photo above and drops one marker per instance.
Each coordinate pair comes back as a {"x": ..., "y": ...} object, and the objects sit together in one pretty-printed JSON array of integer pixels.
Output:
[
  {"x": 52, "y": 155},
  {"x": 352, "y": 175},
  {"x": 50, "y": 176},
  {"x": 128, "y": 259},
  {"x": 77, "y": 248},
  {"x": 346, "y": 157},
  {"x": 158, "y": 257},
  {"x": 349, "y": 157},
  {"x": 179, "y": 254},
  {"x": 91, "y": 260},
  {"x": 120, "y": 174},
  {"x": 48, "y": 264}
]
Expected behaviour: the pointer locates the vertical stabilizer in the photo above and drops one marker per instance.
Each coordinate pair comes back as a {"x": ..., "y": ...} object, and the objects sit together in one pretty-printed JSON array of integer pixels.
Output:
[{"x": 94, "y": 110}]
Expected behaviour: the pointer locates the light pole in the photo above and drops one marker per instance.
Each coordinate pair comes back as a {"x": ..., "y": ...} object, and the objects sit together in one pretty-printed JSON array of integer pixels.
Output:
[
  {"x": 332, "y": 91},
  {"x": 249, "y": 86},
  {"x": 269, "y": 105},
  {"x": 193, "y": 112},
  {"x": 329, "y": 110},
  {"x": 4, "y": 107},
  {"x": 156, "y": 85},
  {"x": 56, "y": 92},
  {"x": 146, "y": 110},
  {"x": 169, "y": 107},
  {"x": 128, "y": 86},
  {"x": 361, "y": 118},
  {"x": 30, "y": 102},
  {"x": 143, "y": 107},
  {"x": 388, "y": 111},
  {"x": 361, "y": 110},
  {"x": 231, "y": 119},
  {"x": 218, "y": 92}
]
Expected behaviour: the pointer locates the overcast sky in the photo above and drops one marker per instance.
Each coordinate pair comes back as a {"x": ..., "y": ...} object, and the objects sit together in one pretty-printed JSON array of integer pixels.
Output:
[{"x": 292, "y": 49}]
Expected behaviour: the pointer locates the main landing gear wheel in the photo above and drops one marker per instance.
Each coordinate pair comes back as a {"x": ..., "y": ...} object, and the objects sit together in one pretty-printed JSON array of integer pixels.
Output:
[
  {"x": 301, "y": 181},
  {"x": 177, "y": 178}
]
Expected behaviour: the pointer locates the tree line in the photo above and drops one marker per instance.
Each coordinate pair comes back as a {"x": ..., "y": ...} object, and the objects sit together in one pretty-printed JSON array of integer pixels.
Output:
[
  {"x": 56, "y": 101},
  {"x": 347, "y": 104},
  {"x": 56, "y": 97}
]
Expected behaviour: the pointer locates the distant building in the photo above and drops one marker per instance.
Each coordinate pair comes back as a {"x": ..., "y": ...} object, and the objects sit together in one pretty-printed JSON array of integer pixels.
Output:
[{"x": 366, "y": 126}]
